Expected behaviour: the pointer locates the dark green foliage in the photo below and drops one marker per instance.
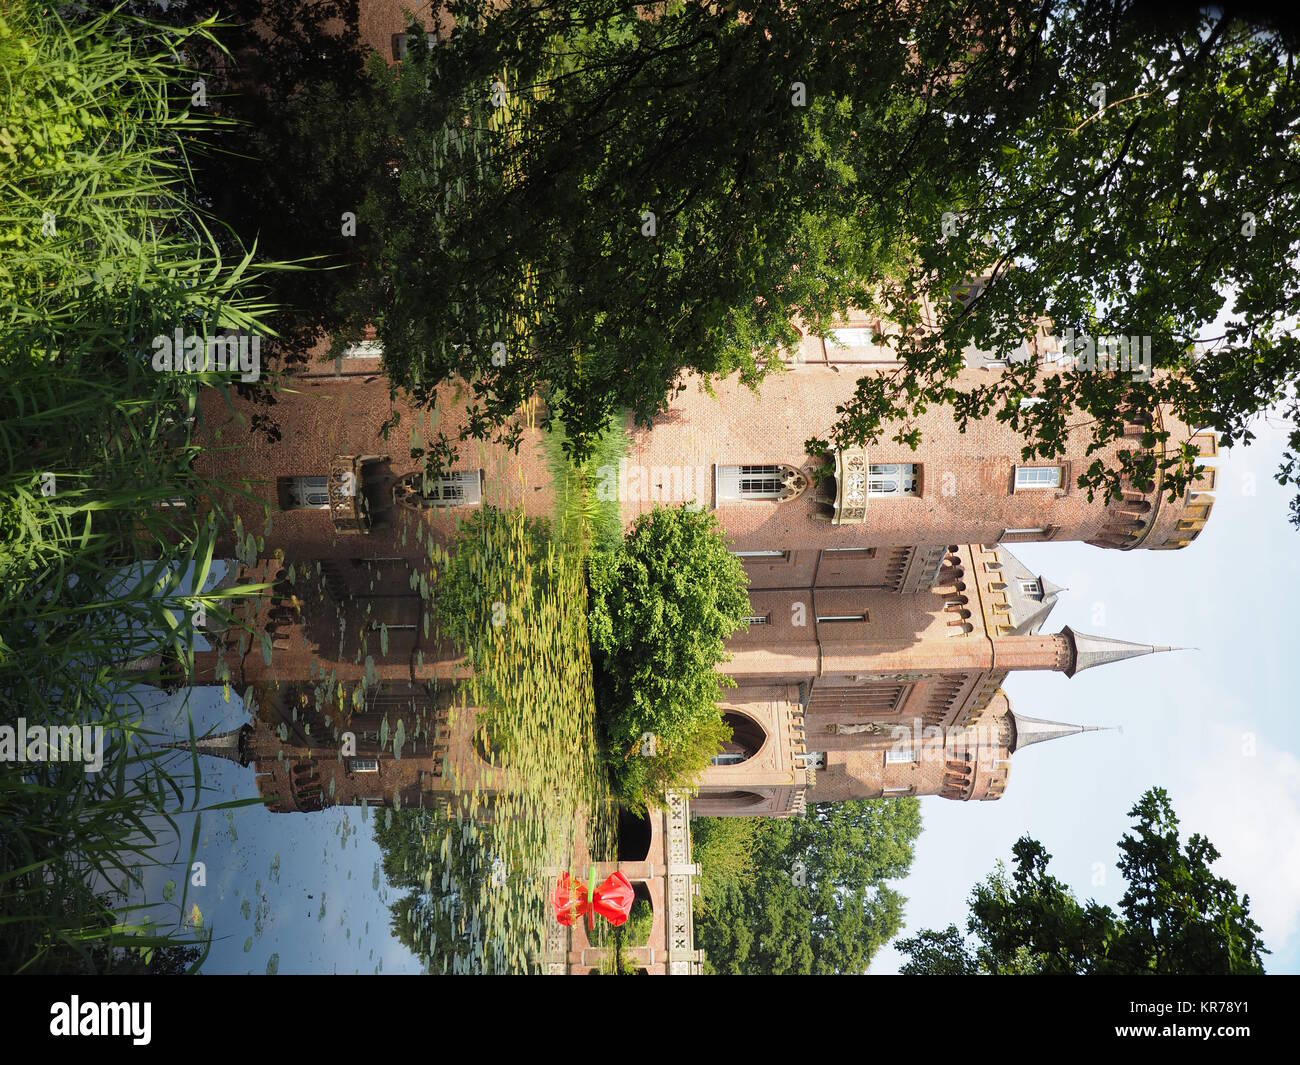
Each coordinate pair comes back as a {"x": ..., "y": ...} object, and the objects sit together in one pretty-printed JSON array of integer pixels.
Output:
[
  {"x": 814, "y": 898},
  {"x": 523, "y": 224},
  {"x": 1176, "y": 916},
  {"x": 527, "y": 224},
  {"x": 441, "y": 886},
  {"x": 1139, "y": 215},
  {"x": 662, "y": 605}
]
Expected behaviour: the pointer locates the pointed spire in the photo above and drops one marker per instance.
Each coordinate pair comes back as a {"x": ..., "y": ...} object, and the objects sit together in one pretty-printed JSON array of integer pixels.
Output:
[
  {"x": 1028, "y": 730},
  {"x": 1092, "y": 651},
  {"x": 1050, "y": 590},
  {"x": 232, "y": 745}
]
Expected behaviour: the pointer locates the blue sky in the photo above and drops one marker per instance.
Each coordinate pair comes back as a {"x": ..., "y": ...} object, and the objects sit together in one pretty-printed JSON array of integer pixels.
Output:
[{"x": 1215, "y": 726}]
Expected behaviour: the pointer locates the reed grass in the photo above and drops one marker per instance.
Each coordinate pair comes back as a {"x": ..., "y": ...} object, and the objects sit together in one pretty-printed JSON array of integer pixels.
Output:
[
  {"x": 586, "y": 517},
  {"x": 101, "y": 248}
]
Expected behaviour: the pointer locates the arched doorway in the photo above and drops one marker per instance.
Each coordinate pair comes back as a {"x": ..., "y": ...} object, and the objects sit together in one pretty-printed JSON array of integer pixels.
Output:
[{"x": 747, "y": 739}]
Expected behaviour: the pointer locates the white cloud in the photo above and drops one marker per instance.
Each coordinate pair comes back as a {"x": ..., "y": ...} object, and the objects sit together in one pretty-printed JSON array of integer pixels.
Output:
[{"x": 1249, "y": 807}]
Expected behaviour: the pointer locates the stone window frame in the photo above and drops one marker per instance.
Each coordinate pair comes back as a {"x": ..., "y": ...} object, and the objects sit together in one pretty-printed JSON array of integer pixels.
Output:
[
  {"x": 292, "y": 490},
  {"x": 1034, "y": 485},
  {"x": 917, "y": 476},
  {"x": 789, "y": 482}
]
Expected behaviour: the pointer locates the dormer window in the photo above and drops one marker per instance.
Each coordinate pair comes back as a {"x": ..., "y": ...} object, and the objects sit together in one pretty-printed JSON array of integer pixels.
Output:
[{"x": 1033, "y": 589}]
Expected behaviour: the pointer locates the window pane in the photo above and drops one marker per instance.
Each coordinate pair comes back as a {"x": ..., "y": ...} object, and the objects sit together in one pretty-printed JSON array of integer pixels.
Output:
[{"x": 1038, "y": 476}]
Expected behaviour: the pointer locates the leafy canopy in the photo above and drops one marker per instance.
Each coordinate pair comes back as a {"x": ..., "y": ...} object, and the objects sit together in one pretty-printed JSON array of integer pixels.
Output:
[
  {"x": 1176, "y": 916},
  {"x": 662, "y": 605},
  {"x": 801, "y": 158},
  {"x": 814, "y": 897}
]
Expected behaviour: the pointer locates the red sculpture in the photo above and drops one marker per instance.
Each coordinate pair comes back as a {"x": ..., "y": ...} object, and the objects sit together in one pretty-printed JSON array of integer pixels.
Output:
[
  {"x": 569, "y": 899},
  {"x": 612, "y": 899}
]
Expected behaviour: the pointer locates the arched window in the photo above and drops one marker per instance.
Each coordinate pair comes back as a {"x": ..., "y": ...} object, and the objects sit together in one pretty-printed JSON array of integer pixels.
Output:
[
  {"x": 772, "y": 482},
  {"x": 747, "y": 739}
]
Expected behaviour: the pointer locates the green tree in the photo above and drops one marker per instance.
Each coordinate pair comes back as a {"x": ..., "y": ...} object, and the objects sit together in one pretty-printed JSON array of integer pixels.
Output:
[
  {"x": 615, "y": 199},
  {"x": 302, "y": 139},
  {"x": 815, "y": 899},
  {"x": 441, "y": 881},
  {"x": 662, "y": 605},
  {"x": 723, "y": 847},
  {"x": 1141, "y": 181},
  {"x": 1176, "y": 916},
  {"x": 801, "y": 157}
]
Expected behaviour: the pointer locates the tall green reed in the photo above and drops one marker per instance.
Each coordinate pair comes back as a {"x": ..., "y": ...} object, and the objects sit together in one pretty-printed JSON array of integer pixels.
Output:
[{"x": 102, "y": 512}]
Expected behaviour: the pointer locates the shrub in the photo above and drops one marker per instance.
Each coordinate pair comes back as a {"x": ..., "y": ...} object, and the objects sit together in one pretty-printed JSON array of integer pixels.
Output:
[{"x": 663, "y": 603}]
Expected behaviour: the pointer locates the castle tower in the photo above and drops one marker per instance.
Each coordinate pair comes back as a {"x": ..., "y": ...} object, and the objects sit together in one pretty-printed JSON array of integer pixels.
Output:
[{"x": 836, "y": 684}]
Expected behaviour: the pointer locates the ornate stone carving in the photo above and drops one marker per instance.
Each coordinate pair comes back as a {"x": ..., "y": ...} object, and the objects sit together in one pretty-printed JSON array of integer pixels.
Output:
[
  {"x": 872, "y": 727},
  {"x": 851, "y": 483}
]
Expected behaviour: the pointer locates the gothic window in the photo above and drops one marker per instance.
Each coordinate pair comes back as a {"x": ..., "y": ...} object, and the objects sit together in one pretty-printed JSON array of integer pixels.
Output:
[
  {"x": 308, "y": 493},
  {"x": 454, "y": 489},
  {"x": 1028, "y": 477},
  {"x": 893, "y": 479},
  {"x": 772, "y": 482},
  {"x": 869, "y": 698}
]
